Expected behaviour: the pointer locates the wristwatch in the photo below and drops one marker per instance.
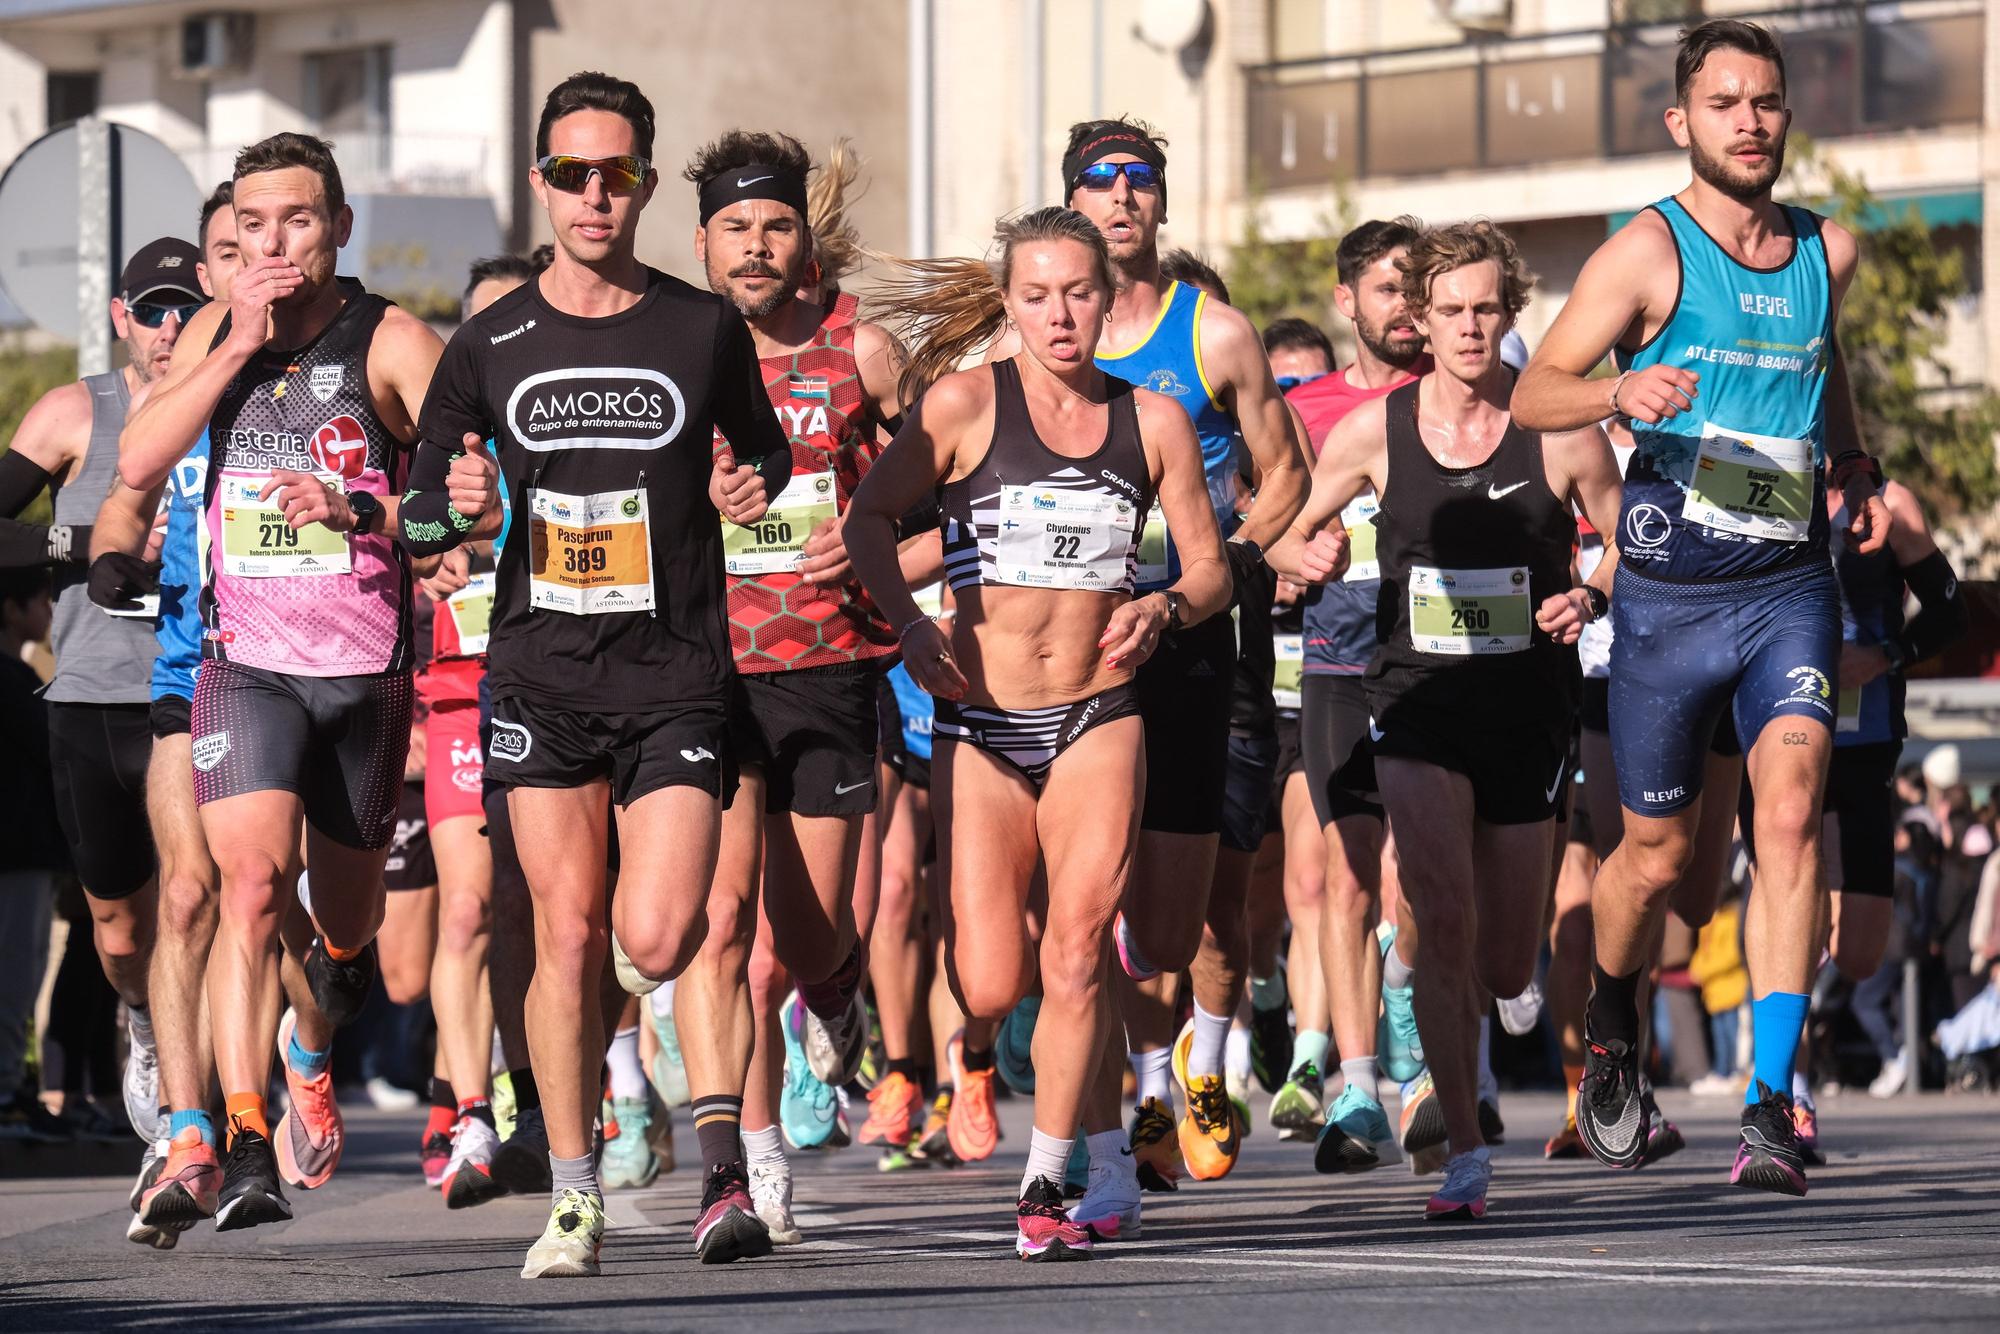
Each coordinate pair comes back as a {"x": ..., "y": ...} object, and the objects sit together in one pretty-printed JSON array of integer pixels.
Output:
[
  {"x": 1599, "y": 600},
  {"x": 1174, "y": 619},
  {"x": 367, "y": 511}
]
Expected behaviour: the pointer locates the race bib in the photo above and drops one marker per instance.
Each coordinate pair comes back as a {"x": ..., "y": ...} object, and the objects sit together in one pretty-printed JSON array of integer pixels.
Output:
[
  {"x": 1759, "y": 486},
  {"x": 776, "y": 543},
  {"x": 1051, "y": 538},
  {"x": 257, "y": 543},
  {"x": 1288, "y": 680},
  {"x": 1848, "y": 717},
  {"x": 1359, "y": 520},
  {"x": 1463, "y": 613},
  {"x": 589, "y": 555},
  {"x": 471, "y": 611},
  {"x": 1154, "y": 567}
]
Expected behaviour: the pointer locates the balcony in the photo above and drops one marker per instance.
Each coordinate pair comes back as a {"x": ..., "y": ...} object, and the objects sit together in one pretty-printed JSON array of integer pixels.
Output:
[
  {"x": 1509, "y": 103},
  {"x": 437, "y": 165}
]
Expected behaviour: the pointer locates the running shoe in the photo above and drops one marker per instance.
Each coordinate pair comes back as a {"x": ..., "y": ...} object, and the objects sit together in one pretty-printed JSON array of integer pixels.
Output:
[
  {"x": 1109, "y": 1209},
  {"x": 629, "y": 977},
  {"x": 1663, "y": 1137},
  {"x": 340, "y": 986},
  {"x": 808, "y": 1111},
  {"x": 874, "y": 1052},
  {"x": 142, "y": 1083},
  {"x": 310, "y": 1135},
  {"x": 1136, "y": 965},
  {"x": 1356, "y": 1136},
  {"x": 1014, "y": 1045},
  {"x": 728, "y": 1227},
  {"x": 434, "y": 1153},
  {"x": 901, "y": 1158},
  {"x": 1211, "y": 1133},
  {"x": 1421, "y": 1131},
  {"x": 1805, "y": 1124},
  {"x": 1767, "y": 1154},
  {"x": 1491, "y": 1128},
  {"x": 569, "y": 1245},
  {"x": 82, "y": 1118},
  {"x": 1610, "y": 1108},
  {"x": 629, "y": 1162},
  {"x": 138, "y": 1229},
  {"x": 669, "y": 1075},
  {"x": 973, "y": 1128},
  {"x": 521, "y": 1163},
  {"x": 1046, "y": 1232},
  {"x": 933, "y": 1143},
  {"x": 834, "y": 1047},
  {"x": 468, "y": 1177},
  {"x": 1520, "y": 1014},
  {"x": 1270, "y": 1046},
  {"x": 771, "y": 1193},
  {"x": 1565, "y": 1143},
  {"x": 25, "y": 1120},
  {"x": 1462, "y": 1197},
  {"x": 895, "y": 1106},
  {"x": 1296, "y": 1108},
  {"x": 184, "y": 1191},
  {"x": 503, "y": 1098},
  {"x": 1398, "y": 1047},
  {"x": 250, "y": 1192},
  {"x": 1156, "y": 1147}
]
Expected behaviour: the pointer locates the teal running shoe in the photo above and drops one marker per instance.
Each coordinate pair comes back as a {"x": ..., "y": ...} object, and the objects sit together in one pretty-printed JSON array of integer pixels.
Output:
[
  {"x": 1398, "y": 1047},
  {"x": 1356, "y": 1136},
  {"x": 807, "y": 1107},
  {"x": 629, "y": 1161},
  {"x": 1013, "y": 1048}
]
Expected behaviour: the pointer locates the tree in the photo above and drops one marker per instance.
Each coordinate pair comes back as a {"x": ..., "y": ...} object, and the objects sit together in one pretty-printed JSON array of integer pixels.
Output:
[
  {"x": 1270, "y": 279},
  {"x": 24, "y": 378},
  {"x": 1933, "y": 434}
]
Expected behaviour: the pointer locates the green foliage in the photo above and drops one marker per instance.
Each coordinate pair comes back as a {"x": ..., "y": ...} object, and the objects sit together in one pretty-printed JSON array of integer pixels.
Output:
[
  {"x": 25, "y": 377},
  {"x": 1271, "y": 279},
  {"x": 1933, "y": 435}
]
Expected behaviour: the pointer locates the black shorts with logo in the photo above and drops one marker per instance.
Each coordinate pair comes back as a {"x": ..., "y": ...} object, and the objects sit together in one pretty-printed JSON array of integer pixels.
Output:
[
  {"x": 536, "y": 745},
  {"x": 98, "y": 755},
  {"x": 411, "y": 864},
  {"x": 1512, "y": 740},
  {"x": 814, "y": 734},
  {"x": 1185, "y": 692},
  {"x": 171, "y": 715}
]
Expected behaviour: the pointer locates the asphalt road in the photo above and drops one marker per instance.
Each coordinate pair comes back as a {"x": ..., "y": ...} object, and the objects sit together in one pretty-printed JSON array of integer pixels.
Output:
[{"x": 1901, "y": 1231}]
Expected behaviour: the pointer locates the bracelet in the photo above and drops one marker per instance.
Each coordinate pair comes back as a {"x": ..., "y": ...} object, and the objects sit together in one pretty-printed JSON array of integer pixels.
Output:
[
  {"x": 912, "y": 623},
  {"x": 1616, "y": 385}
]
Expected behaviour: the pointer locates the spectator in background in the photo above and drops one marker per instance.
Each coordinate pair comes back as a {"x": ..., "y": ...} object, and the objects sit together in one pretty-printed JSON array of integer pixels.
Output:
[
  {"x": 1956, "y": 918},
  {"x": 31, "y": 854},
  {"x": 1919, "y": 857},
  {"x": 1718, "y": 969}
]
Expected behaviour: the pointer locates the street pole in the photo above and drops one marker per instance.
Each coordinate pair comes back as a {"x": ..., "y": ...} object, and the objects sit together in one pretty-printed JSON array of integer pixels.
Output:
[
  {"x": 920, "y": 128},
  {"x": 94, "y": 202}
]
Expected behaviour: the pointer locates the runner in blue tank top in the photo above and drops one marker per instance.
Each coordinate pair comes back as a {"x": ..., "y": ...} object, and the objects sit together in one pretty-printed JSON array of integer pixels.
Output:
[{"x": 1721, "y": 308}]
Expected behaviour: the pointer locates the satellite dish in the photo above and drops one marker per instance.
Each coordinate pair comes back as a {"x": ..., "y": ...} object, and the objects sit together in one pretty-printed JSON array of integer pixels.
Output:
[
  {"x": 1172, "y": 25},
  {"x": 154, "y": 195}
]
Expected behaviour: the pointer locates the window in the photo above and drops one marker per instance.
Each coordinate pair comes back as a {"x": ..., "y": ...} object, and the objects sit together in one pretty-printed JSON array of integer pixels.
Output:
[
  {"x": 72, "y": 95},
  {"x": 347, "y": 92}
]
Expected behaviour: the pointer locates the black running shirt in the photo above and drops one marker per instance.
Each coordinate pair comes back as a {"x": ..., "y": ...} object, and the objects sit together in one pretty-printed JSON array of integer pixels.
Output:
[{"x": 610, "y": 583}]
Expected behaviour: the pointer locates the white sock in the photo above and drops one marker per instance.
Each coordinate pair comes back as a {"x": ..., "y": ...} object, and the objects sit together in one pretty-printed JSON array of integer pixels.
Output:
[
  {"x": 306, "y": 898},
  {"x": 1211, "y": 1032},
  {"x": 663, "y": 999},
  {"x": 1487, "y": 1083},
  {"x": 1361, "y": 1073},
  {"x": 1047, "y": 1157},
  {"x": 1310, "y": 1045},
  {"x": 1268, "y": 993},
  {"x": 763, "y": 1147},
  {"x": 1395, "y": 973},
  {"x": 628, "y": 1077},
  {"x": 1236, "y": 1053},
  {"x": 142, "y": 1022},
  {"x": 1801, "y": 1088},
  {"x": 1112, "y": 1150},
  {"x": 1155, "y": 1072},
  {"x": 498, "y": 1060}
]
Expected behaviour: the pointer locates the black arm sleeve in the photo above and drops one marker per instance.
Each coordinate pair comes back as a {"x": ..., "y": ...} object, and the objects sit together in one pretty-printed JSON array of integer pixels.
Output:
[
  {"x": 453, "y": 405},
  {"x": 1942, "y": 617},
  {"x": 743, "y": 411},
  {"x": 23, "y": 545},
  {"x": 21, "y": 480}
]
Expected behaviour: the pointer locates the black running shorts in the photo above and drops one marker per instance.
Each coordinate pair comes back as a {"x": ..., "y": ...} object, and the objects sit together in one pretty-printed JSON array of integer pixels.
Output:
[
  {"x": 339, "y": 742},
  {"x": 1514, "y": 744},
  {"x": 411, "y": 863},
  {"x": 98, "y": 754},
  {"x": 535, "y": 745},
  {"x": 813, "y": 733},
  {"x": 1185, "y": 692},
  {"x": 1333, "y": 738},
  {"x": 171, "y": 715}
]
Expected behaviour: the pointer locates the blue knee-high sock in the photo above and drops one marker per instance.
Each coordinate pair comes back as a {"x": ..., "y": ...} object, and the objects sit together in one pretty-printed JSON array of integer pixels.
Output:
[{"x": 1776, "y": 1023}]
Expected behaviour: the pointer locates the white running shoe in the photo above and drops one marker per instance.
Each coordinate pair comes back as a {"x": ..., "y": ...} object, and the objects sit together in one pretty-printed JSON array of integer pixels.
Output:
[
  {"x": 569, "y": 1244},
  {"x": 1520, "y": 1015},
  {"x": 468, "y": 1176},
  {"x": 142, "y": 1084},
  {"x": 1109, "y": 1209},
  {"x": 834, "y": 1048},
  {"x": 389, "y": 1097},
  {"x": 1890, "y": 1082},
  {"x": 771, "y": 1192}
]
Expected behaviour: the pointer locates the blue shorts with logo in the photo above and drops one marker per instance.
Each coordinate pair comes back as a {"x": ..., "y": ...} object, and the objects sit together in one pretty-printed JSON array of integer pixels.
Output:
[{"x": 1684, "y": 654}]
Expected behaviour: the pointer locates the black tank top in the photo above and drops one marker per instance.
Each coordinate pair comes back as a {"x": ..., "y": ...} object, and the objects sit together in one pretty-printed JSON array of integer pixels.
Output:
[
  {"x": 1033, "y": 518},
  {"x": 1468, "y": 554}
]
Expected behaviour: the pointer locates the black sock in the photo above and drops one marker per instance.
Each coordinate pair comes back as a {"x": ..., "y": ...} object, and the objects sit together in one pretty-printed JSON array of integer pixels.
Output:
[
  {"x": 829, "y": 999},
  {"x": 975, "y": 1060},
  {"x": 527, "y": 1097},
  {"x": 905, "y": 1066},
  {"x": 441, "y": 1094},
  {"x": 1614, "y": 1006},
  {"x": 718, "y": 1124}
]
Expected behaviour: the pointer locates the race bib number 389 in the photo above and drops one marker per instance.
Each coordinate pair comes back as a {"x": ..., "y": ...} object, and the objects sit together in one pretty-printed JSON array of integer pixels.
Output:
[
  {"x": 257, "y": 543},
  {"x": 1459, "y": 613},
  {"x": 590, "y": 555}
]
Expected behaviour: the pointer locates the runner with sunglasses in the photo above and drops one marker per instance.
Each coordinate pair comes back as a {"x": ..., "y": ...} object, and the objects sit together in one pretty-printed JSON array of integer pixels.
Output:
[{"x": 601, "y": 384}]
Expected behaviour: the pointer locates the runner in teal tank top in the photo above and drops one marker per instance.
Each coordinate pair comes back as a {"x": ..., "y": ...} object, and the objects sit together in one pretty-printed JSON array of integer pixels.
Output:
[{"x": 1721, "y": 307}]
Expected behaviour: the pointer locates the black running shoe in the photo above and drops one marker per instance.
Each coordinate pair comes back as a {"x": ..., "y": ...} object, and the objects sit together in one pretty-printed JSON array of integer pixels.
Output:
[
  {"x": 1610, "y": 1113},
  {"x": 1270, "y": 1047},
  {"x": 1663, "y": 1137},
  {"x": 1768, "y": 1156},
  {"x": 251, "y": 1192},
  {"x": 1491, "y": 1128},
  {"x": 339, "y": 986}
]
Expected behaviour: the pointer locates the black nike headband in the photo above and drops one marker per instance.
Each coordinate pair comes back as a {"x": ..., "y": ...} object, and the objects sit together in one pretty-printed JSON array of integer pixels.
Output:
[
  {"x": 1113, "y": 137},
  {"x": 756, "y": 180}
]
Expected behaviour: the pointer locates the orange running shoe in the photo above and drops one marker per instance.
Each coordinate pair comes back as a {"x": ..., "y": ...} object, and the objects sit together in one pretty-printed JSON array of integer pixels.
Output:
[
  {"x": 309, "y": 1136},
  {"x": 894, "y": 1108},
  {"x": 1211, "y": 1132},
  {"x": 1154, "y": 1147},
  {"x": 974, "y": 1125},
  {"x": 185, "y": 1191},
  {"x": 1566, "y": 1143}
]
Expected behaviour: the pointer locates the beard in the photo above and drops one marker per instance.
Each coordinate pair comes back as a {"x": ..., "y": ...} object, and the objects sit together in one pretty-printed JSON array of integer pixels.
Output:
[
  {"x": 757, "y": 308},
  {"x": 1730, "y": 178},
  {"x": 1402, "y": 353}
]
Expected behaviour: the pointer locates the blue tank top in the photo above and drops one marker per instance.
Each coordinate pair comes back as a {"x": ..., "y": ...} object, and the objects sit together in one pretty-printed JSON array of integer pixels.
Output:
[
  {"x": 1871, "y": 612},
  {"x": 183, "y": 568},
  {"x": 1168, "y": 361},
  {"x": 1735, "y": 486}
]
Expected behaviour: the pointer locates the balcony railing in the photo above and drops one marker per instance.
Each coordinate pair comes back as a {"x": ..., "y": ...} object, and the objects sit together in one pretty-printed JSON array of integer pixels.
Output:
[
  {"x": 1515, "y": 102},
  {"x": 378, "y": 164}
]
